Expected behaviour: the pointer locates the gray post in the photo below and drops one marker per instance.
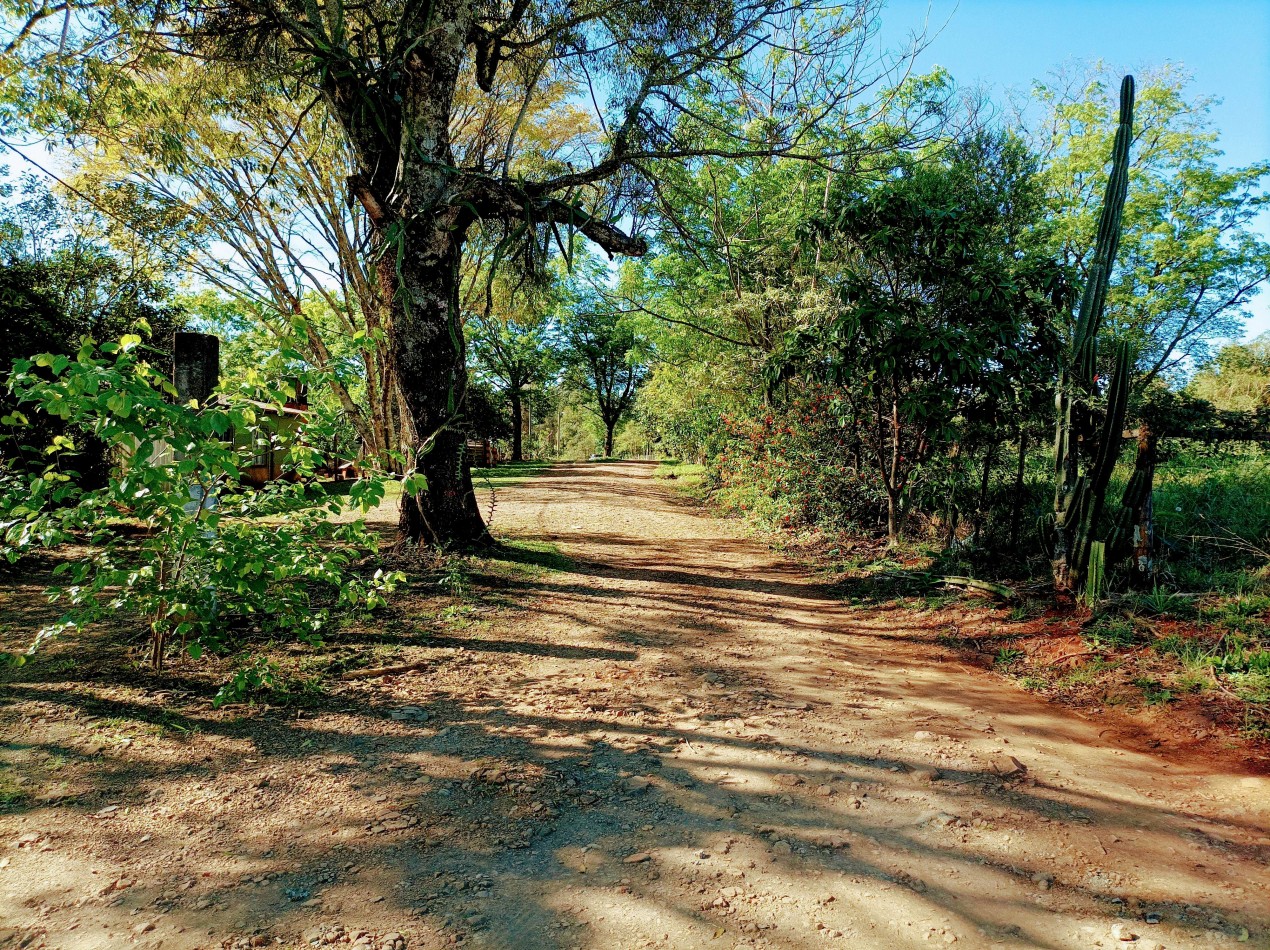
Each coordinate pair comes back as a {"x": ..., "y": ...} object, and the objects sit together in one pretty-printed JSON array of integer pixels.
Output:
[{"x": 195, "y": 366}]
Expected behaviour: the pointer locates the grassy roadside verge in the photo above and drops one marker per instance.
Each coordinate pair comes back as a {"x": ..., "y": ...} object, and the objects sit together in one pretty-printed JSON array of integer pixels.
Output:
[
  {"x": 688, "y": 478},
  {"x": 508, "y": 474}
]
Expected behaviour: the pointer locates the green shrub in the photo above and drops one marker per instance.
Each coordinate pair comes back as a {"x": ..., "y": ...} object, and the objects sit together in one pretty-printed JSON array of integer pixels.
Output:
[
  {"x": 1192, "y": 651},
  {"x": 1111, "y": 631},
  {"x": 1153, "y": 691},
  {"x": 1008, "y": 656},
  {"x": 1252, "y": 686},
  {"x": 796, "y": 467},
  {"x": 176, "y": 541},
  {"x": 1160, "y": 603},
  {"x": 1231, "y": 654}
]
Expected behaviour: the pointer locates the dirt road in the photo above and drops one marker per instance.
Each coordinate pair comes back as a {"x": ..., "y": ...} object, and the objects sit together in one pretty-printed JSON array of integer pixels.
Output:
[{"x": 671, "y": 739}]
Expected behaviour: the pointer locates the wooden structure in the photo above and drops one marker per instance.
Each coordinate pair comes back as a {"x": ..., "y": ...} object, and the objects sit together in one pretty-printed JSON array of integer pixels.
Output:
[
  {"x": 268, "y": 443},
  {"x": 483, "y": 453}
]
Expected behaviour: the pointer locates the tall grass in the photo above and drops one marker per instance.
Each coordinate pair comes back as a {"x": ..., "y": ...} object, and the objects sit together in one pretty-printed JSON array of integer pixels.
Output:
[{"x": 1215, "y": 508}]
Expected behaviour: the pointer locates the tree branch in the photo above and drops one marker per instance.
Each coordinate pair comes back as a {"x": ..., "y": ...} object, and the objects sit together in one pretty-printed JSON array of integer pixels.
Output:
[{"x": 506, "y": 200}]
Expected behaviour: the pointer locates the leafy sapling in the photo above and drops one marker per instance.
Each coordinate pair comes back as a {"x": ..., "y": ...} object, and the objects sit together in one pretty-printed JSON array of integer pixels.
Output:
[{"x": 176, "y": 539}]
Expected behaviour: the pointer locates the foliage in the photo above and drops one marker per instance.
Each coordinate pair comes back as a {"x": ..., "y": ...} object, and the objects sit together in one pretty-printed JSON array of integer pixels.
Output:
[
  {"x": 604, "y": 357},
  {"x": 682, "y": 406},
  {"x": 1111, "y": 631},
  {"x": 1190, "y": 256},
  {"x": 1212, "y": 508},
  {"x": 945, "y": 315},
  {"x": 739, "y": 264},
  {"x": 1236, "y": 378},
  {"x": 206, "y": 159},
  {"x": 250, "y": 342},
  {"x": 512, "y": 346},
  {"x": 56, "y": 287},
  {"x": 484, "y": 414},
  {"x": 176, "y": 542},
  {"x": 797, "y": 467}
]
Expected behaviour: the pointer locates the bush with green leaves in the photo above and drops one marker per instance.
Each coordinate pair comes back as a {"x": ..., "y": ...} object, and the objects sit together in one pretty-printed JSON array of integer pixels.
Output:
[
  {"x": 175, "y": 539},
  {"x": 799, "y": 467}
]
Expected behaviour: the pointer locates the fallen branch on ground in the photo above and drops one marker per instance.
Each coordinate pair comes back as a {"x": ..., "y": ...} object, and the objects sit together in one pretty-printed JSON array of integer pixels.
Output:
[
  {"x": 1000, "y": 590},
  {"x": 386, "y": 670}
]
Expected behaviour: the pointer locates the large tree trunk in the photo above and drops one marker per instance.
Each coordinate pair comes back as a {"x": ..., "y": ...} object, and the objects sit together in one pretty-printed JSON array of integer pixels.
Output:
[
  {"x": 426, "y": 337},
  {"x": 418, "y": 227},
  {"x": 608, "y": 438},
  {"x": 518, "y": 454}
]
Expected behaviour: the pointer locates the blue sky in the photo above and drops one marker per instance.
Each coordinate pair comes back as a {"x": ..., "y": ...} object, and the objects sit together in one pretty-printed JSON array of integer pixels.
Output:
[{"x": 1006, "y": 44}]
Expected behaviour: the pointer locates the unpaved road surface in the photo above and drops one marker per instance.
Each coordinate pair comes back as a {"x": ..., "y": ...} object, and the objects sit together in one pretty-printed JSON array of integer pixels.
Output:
[{"x": 673, "y": 739}]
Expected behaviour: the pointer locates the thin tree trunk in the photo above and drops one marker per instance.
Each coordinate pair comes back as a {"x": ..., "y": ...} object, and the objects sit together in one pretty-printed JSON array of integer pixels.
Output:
[
  {"x": 1016, "y": 513},
  {"x": 517, "y": 426},
  {"x": 985, "y": 482}
]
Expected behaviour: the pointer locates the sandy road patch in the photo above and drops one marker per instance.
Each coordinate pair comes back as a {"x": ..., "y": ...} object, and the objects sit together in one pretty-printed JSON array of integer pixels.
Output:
[{"x": 672, "y": 739}]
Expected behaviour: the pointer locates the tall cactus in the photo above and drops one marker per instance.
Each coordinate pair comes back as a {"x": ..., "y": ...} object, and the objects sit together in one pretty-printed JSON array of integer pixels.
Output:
[{"x": 1084, "y": 456}]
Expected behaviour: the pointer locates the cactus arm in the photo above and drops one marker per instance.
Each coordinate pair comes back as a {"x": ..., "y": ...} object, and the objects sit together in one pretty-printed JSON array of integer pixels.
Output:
[
  {"x": 1104, "y": 463},
  {"x": 1079, "y": 496},
  {"x": 1107, "y": 244}
]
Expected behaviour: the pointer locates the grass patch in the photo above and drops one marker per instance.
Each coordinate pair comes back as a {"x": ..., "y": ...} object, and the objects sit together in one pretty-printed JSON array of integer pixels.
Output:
[
  {"x": 455, "y": 579},
  {"x": 1252, "y": 686},
  {"x": 1111, "y": 631},
  {"x": 508, "y": 473},
  {"x": 11, "y": 793},
  {"x": 534, "y": 556},
  {"x": 687, "y": 477},
  {"x": 1217, "y": 505},
  {"x": 1227, "y": 655},
  {"x": 1008, "y": 656},
  {"x": 1256, "y": 724},
  {"x": 1153, "y": 691},
  {"x": 1086, "y": 673},
  {"x": 1161, "y": 603}
]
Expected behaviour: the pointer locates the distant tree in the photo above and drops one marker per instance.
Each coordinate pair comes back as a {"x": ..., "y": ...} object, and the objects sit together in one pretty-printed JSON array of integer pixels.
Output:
[
  {"x": 512, "y": 345},
  {"x": 485, "y": 414},
  {"x": 1190, "y": 257},
  {"x": 1237, "y": 378},
  {"x": 603, "y": 358}
]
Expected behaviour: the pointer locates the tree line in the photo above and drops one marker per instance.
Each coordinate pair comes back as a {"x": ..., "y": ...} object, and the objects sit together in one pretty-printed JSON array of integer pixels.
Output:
[{"x": 850, "y": 288}]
